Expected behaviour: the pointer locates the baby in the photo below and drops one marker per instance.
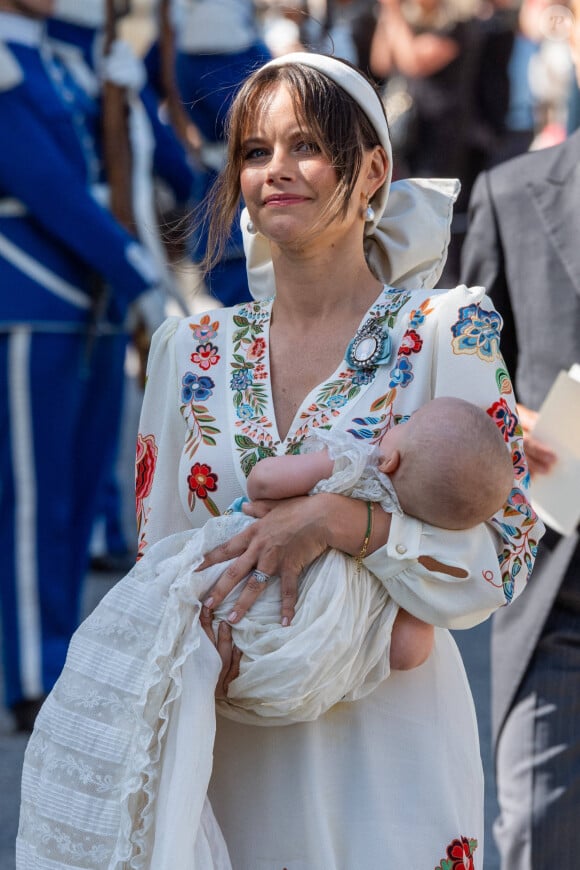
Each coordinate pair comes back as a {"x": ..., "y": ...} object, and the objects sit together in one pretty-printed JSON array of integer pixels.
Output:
[{"x": 434, "y": 462}]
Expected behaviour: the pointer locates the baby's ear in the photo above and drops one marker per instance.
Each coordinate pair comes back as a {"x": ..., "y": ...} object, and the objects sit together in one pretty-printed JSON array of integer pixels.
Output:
[{"x": 389, "y": 464}]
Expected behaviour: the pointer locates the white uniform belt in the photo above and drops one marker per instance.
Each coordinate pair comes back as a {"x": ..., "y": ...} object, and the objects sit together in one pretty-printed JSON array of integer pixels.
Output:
[
  {"x": 41, "y": 274},
  {"x": 12, "y": 208}
]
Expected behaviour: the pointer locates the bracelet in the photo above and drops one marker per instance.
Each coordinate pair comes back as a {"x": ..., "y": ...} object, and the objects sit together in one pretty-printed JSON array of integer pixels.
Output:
[{"x": 365, "y": 544}]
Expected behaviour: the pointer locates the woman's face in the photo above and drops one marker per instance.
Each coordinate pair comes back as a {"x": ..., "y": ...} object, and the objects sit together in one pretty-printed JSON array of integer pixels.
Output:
[{"x": 286, "y": 180}]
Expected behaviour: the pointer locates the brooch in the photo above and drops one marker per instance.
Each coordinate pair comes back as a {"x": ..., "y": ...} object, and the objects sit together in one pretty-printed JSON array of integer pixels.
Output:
[{"x": 370, "y": 347}]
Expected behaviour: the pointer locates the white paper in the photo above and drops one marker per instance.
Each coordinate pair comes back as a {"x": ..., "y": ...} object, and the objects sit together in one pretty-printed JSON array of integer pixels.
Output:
[{"x": 556, "y": 496}]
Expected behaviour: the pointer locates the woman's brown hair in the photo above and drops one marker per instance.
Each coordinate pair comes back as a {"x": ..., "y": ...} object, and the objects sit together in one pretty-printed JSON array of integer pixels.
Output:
[{"x": 332, "y": 117}]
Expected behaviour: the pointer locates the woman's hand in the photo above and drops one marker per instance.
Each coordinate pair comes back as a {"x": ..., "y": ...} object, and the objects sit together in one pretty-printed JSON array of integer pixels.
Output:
[
  {"x": 287, "y": 537},
  {"x": 540, "y": 457},
  {"x": 229, "y": 653}
]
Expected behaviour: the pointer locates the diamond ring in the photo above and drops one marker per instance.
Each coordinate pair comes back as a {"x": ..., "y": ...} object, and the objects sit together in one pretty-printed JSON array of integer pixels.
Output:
[{"x": 261, "y": 576}]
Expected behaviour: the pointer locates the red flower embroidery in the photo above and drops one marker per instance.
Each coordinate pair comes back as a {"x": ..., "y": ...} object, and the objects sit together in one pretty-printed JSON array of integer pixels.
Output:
[
  {"x": 145, "y": 461},
  {"x": 459, "y": 855},
  {"x": 504, "y": 418},
  {"x": 256, "y": 349},
  {"x": 411, "y": 343},
  {"x": 201, "y": 479},
  {"x": 205, "y": 356}
]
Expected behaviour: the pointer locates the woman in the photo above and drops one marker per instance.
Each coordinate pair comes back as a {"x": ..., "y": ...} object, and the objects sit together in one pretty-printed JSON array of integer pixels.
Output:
[
  {"x": 394, "y": 778},
  {"x": 424, "y": 44}
]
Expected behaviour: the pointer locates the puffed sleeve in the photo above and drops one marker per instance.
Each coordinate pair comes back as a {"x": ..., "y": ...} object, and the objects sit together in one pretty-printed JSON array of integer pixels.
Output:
[
  {"x": 160, "y": 442},
  {"x": 471, "y": 572}
]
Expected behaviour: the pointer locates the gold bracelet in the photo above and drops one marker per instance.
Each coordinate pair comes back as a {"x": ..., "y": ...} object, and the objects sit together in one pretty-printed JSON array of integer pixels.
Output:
[{"x": 365, "y": 544}]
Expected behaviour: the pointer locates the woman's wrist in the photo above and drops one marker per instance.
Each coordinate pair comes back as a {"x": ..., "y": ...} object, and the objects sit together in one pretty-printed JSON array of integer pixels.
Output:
[{"x": 347, "y": 522}]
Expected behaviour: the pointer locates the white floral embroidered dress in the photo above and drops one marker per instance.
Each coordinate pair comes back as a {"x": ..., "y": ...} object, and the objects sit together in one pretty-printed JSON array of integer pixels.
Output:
[{"x": 393, "y": 779}]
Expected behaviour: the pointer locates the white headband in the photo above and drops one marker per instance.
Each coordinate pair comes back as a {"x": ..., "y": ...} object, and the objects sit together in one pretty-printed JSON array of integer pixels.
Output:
[{"x": 406, "y": 244}]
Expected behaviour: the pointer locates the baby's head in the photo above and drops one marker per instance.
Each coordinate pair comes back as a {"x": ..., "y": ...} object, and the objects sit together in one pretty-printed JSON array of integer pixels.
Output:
[{"x": 449, "y": 464}]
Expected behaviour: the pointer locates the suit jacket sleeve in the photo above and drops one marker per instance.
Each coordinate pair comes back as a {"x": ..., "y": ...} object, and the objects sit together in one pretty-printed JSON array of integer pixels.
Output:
[{"x": 483, "y": 263}]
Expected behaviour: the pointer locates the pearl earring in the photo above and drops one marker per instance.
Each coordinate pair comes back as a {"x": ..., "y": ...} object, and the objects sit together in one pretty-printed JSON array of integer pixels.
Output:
[
  {"x": 251, "y": 228},
  {"x": 369, "y": 213}
]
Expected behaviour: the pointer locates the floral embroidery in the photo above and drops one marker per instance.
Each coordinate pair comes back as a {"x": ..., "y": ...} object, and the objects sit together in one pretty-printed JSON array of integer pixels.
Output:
[
  {"x": 201, "y": 481},
  {"x": 503, "y": 382},
  {"x": 205, "y": 356},
  {"x": 477, "y": 332},
  {"x": 337, "y": 402},
  {"x": 419, "y": 314},
  {"x": 411, "y": 343},
  {"x": 362, "y": 377},
  {"x": 241, "y": 379},
  {"x": 257, "y": 349},
  {"x": 194, "y": 388},
  {"x": 370, "y": 428},
  {"x": 518, "y": 520},
  {"x": 459, "y": 855},
  {"x": 245, "y": 412},
  {"x": 250, "y": 398},
  {"x": 402, "y": 374},
  {"x": 519, "y": 545},
  {"x": 504, "y": 418},
  {"x": 198, "y": 388},
  {"x": 145, "y": 462},
  {"x": 521, "y": 471},
  {"x": 204, "y": 330},
  {"x": 199, "y": 421}
]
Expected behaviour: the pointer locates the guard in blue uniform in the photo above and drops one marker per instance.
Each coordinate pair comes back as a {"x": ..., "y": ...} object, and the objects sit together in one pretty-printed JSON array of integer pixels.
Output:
[
  {"x": 70, "y": 276},
  {"x": 76, "y": 33}
]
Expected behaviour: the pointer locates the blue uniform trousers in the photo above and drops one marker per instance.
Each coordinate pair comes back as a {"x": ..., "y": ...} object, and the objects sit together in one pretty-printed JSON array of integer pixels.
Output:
[{"x": 60, "y": 402}]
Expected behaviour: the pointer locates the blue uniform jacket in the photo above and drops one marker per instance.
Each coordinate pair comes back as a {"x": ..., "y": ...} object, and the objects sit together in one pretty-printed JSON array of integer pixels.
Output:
[{"x": 56, "y": 241}]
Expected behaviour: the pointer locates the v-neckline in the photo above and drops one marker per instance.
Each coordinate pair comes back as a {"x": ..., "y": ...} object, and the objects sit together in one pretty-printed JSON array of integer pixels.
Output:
[
  {"x": 254, "y": 428},
  {"x": 309, "y": 399}
]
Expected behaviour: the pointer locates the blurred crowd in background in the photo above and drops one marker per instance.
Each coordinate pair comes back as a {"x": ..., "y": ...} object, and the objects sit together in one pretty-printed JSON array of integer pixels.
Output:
[{"x": 98, "y": 243}]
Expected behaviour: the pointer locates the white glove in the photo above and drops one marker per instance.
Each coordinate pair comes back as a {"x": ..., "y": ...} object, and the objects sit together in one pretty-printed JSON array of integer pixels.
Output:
[
  {"x": 122, "y": 67},
  {"x": 149, "y": 309}
]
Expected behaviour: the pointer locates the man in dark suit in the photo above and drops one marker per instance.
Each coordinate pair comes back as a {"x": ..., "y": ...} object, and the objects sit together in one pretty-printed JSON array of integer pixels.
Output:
[{"x": 523, "y": 245}]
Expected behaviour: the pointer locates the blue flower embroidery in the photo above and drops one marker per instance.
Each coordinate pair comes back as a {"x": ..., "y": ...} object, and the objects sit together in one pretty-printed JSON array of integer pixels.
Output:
[
  {"x": 336, "y": 401},
  {"x": 194, "y": 388},
  {"x": 245, "y": 412},
  {"x": 363, "y": 376},
  {"x": 241, "y": 379},
  {"x": 477, "y": 332},
  {"x": 402, "y": 374},
  {"x": 417, "y": 318}
]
